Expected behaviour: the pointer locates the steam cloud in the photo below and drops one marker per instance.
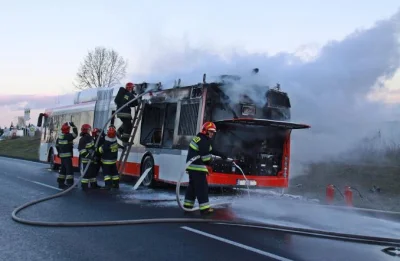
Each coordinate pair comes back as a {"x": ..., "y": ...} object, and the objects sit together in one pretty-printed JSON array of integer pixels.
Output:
[{"x": 329, "y": 92}]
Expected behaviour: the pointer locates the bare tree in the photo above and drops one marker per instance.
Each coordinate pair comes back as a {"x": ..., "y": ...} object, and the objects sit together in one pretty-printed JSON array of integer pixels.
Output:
[{"x": 100, "y": 68}]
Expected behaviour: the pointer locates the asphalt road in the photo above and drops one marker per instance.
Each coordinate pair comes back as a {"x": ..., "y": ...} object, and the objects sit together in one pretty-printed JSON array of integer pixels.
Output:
[{"x": 23, "y": 181}]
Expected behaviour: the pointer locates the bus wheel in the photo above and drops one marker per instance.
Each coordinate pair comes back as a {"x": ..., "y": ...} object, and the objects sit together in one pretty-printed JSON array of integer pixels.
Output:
[
  {"x": 148, "y": 162},
  {"x": 53, "y": 165}
]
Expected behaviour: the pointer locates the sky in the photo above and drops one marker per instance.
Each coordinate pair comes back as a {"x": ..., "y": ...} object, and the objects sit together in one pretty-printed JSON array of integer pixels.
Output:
[{"x": 318, "y": 49}]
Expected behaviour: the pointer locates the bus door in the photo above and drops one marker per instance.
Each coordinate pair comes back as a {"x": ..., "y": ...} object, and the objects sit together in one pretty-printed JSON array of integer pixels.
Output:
[{"x": 102, "y": 108}]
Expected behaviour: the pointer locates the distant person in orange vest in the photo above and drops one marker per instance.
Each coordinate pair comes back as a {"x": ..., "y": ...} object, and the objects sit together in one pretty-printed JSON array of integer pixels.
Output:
[{"x": 123, "y": 96}]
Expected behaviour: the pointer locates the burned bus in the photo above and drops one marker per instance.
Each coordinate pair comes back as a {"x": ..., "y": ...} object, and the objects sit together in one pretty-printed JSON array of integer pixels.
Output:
[{"x": 256, "y": 134}]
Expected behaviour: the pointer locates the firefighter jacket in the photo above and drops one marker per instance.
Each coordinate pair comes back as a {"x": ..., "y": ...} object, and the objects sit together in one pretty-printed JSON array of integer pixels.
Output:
[
  {"x": 123, "y": 96},
  {"x": 86, "y": 147},
  {"x": 97, "y": 154},
  {"x": 109, "y": 151},
  {"x": 64, "y": 143},
  {"x": 201, "y": 146}
]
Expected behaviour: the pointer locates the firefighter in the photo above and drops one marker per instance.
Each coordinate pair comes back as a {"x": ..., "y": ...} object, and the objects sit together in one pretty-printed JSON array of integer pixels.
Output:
[
  {"x": 198, "y": 186},
  {"x": 109, "y": 156},
  {"x": 123, "y": 96},
  {"x": 96, "y": 134},
  {"x": 64, "y": 145},
  {"x": 86, "y": 151}
]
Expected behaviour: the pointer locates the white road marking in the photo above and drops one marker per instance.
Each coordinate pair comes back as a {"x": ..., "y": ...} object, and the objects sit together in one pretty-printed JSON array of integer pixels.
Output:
[
  {"x": 249, "y": 248},
  {"x": 42, "y": 184},
  {"x": 323, "y": 232}
]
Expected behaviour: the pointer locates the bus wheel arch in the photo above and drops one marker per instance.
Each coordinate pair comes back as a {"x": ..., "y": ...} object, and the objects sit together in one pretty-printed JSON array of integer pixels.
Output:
[
  {"x": 147, "y": 161},
  {"x": 50, "y": 159}
]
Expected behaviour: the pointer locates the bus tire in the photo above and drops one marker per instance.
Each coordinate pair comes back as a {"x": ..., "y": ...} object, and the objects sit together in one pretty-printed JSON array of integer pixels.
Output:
[
  {"x": 148, "y": 162},
  {"x": 53, "y": 165}
]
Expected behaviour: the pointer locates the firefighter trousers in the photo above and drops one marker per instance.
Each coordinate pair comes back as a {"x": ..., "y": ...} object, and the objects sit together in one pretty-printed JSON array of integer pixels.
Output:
[
  {"x": 126, "y": 126},
  {"x": 66, "y": 172},
  {"x": 111, "y": 176},
  {"x": 90, "y": 175},
  {"x": 198, "y": 188}
]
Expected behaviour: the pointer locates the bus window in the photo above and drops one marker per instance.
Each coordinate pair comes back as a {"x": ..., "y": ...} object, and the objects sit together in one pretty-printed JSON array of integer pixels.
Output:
[
  {"x": 169, "y": 125},
  {"x": 76, "y": 118},
  {"x": 49, "y": 129},
  {"x": 152, "y": 122},
  {"x": 188, "y": 119}
]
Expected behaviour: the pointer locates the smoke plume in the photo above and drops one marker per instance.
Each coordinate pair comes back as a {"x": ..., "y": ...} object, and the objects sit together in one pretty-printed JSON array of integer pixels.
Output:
[{"x": 328, "y": 92}]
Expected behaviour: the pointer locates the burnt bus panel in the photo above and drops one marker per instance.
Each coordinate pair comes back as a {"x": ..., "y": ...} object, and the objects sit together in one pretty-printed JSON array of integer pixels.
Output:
[
  {"x": 188, "y": 119},
  {"x": 257, "y": 145},
  {"x": 257, "y": 149},
  {"x": 272, "y": 104},
  {"x": 169, "y": 125},
  {"x": 187, "y": 122},
  {"x": 152, "y": 124},
  {"x": 265, "y": 122}
]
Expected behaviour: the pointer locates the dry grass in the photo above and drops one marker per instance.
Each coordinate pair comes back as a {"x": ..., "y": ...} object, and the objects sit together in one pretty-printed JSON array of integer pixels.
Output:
[
  {"x": 372, "y": 167},
  {"x": 22, "y": 147}
]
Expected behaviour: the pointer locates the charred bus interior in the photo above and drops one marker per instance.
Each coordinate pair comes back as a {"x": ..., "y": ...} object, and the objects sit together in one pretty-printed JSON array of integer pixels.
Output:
[
  {"x": 171, "y": 119},
  {"x": 158, "y": 126},
  {"x": 258, "y": 150}
]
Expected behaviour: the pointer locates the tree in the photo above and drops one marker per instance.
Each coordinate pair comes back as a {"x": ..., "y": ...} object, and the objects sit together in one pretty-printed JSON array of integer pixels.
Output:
[{"x": 100, "y": 68}]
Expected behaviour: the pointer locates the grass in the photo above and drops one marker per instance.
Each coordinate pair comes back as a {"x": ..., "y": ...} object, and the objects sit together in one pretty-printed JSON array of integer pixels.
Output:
[
  {"x": 21, "y": 147},
  {"x": 379, "y": 168}
]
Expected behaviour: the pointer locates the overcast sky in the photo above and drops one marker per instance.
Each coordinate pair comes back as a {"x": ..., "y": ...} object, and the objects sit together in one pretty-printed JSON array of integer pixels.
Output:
[{"x": 44, "y": 41}]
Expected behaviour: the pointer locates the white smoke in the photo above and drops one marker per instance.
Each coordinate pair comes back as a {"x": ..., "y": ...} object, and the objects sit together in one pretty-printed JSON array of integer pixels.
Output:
[{"x": 328, "y": 92}]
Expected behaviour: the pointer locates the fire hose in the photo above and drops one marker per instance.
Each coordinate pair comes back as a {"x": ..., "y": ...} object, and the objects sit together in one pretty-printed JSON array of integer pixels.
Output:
[{"x": 242, "y": 223}]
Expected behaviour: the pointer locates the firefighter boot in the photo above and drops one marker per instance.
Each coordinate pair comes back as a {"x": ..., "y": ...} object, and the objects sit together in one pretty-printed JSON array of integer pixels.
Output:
[
  {"x": 70, "y": 180},
  {"x": 93, "y": 184},
  {"x": 61, "y": 181},
  {"x": 108, "y": 183},
  {"x": 207, "y": 211},
  {"x": 189, "y": 205},
  {"x": 115, "y": 182},
  {"x": 62, "y": 186},
  {"x": 85, "y": 185}
]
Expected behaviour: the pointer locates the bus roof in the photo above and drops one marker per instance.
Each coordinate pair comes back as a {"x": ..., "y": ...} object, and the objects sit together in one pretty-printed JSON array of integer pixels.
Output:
[{"x": 174, "y": 89}]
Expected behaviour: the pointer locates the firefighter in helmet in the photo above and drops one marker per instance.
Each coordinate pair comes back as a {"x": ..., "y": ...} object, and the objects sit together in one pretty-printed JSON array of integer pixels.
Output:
[
  {"x": 123, "y": 96},
  {"x": 109, "y": 156},
  {"x": 86, "y": 151},
  {"x": 64, "y": 146},
  {"x": 97, "y": 134},
  {"x": 198, "y": 186}
]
